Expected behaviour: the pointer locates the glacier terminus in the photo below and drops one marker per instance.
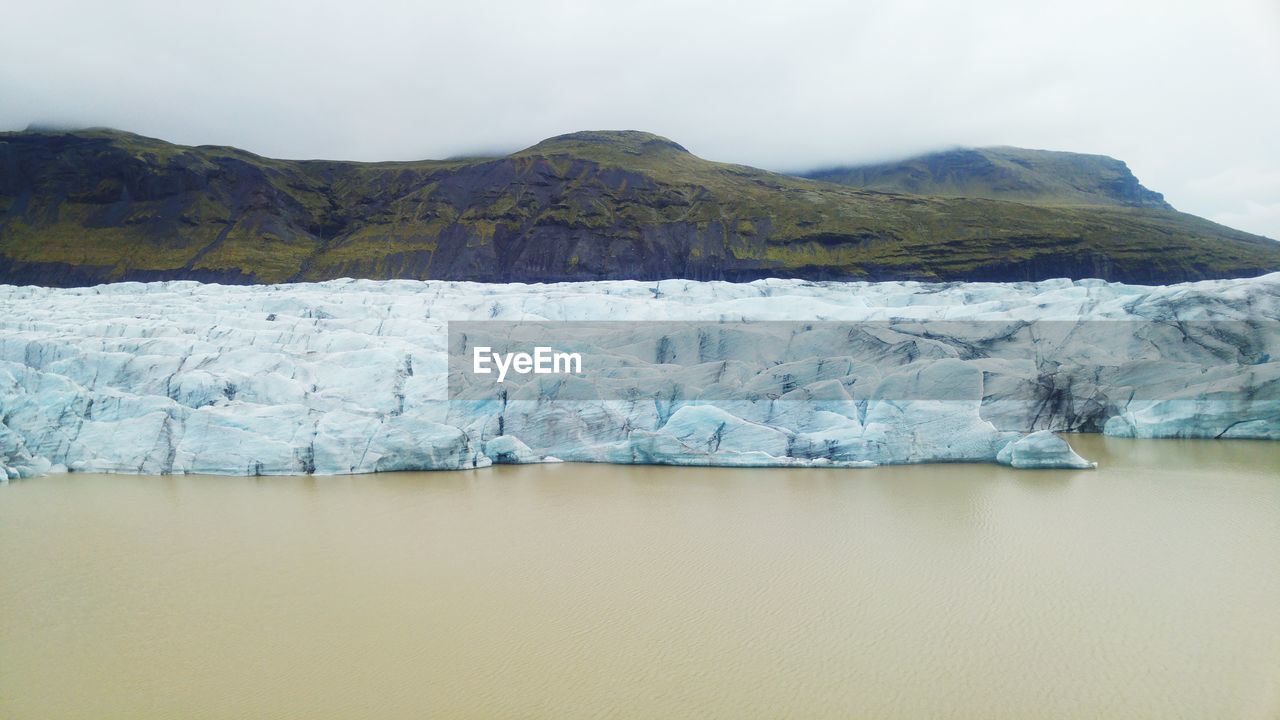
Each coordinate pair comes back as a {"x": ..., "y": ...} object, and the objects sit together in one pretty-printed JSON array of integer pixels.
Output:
[{"x": 355, "y": 376}]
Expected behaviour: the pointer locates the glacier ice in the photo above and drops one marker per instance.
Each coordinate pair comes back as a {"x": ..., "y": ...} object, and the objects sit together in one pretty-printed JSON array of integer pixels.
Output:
[
  {"x": 353, "y": 376},
  {"x": 1041, "y": 449},
  {"x": 509, "y": 449}
]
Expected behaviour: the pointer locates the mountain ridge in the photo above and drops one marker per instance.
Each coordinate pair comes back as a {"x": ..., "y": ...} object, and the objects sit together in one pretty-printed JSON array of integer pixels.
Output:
[
  {"x": 98, "y": 205},
  {"x": 1004, "y": 172}
]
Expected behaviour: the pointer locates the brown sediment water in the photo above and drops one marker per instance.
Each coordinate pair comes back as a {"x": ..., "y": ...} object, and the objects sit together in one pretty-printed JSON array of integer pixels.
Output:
[{"x": 1148, "y": 588}]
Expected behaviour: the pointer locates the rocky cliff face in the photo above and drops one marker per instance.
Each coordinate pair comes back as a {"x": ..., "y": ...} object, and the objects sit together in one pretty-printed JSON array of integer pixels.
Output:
[{"x": 95, "y": 206}]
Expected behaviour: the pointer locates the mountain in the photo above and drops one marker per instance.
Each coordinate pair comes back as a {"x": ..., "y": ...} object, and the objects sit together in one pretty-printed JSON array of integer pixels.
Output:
[
  {"x": 95, "y": 206},
  {"x": 1042, "y": 177}
]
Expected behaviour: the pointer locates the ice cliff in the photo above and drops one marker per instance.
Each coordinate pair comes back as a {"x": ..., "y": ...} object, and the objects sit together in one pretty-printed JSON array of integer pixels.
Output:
[{"x": 354, "y": 376}]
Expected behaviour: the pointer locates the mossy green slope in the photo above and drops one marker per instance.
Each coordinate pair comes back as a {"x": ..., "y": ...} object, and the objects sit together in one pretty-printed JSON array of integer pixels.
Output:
[{"x": 96, "y": 206}]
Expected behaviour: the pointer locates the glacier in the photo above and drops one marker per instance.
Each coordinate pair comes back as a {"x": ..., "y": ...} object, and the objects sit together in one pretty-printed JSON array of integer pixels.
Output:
[{"x": 354, "y": 376}]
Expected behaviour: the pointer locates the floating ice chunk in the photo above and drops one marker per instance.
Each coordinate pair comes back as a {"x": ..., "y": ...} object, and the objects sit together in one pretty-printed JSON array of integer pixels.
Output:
[
  {"x": 509, "y": 450},
  {"x": 1041, "y": 449}
]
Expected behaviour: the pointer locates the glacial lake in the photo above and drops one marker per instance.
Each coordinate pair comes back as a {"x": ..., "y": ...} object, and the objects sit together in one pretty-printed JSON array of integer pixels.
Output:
[{"x": 1148, "y": 588}]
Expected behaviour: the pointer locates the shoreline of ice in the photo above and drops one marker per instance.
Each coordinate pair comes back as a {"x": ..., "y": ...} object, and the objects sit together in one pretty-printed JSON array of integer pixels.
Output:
[{"x": 349, "y": 376}]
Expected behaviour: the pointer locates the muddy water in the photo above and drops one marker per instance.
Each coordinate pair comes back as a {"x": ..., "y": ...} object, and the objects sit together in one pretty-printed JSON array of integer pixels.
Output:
[{"x": 1148, "y": 588}]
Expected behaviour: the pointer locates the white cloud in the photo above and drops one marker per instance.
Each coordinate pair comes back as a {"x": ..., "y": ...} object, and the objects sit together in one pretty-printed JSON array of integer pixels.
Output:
[
  {"x": 1251, "y": 214},
  {"x": 1183, "y": 91}
]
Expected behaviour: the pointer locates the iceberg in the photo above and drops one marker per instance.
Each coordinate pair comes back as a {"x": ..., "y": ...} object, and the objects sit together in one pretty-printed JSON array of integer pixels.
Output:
[
  {"x": 356, "y": 376},
  {"x": 1041, "y": 449}
]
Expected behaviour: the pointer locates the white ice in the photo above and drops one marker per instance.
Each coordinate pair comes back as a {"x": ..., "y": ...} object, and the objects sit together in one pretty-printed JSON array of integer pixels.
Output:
[{"x": 351, "y": 376}]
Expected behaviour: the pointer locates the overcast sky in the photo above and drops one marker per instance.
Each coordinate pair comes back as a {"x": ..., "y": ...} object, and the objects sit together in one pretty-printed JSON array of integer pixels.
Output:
[{"x": 1185, "y": 92}]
